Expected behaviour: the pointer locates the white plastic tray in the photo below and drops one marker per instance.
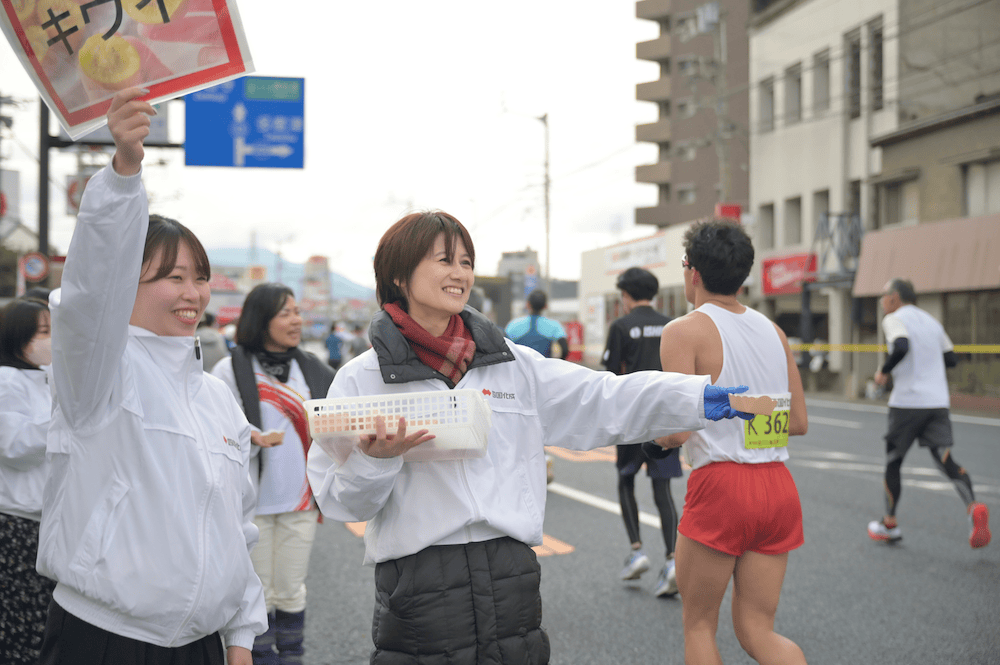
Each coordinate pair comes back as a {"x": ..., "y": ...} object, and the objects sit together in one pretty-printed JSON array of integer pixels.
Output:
[{"x": 459, "y": 419}]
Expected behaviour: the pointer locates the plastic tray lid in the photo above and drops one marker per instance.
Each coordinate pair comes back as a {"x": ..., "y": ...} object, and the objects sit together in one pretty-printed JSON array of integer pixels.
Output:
[{"x": 459, "y": 419}]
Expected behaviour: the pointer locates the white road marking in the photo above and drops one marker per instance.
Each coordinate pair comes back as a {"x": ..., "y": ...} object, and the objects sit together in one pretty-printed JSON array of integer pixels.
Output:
[
  {"x": 836, "y": 422},
  {"x": 598, "y": 502},
  {"x": 876, "y": 408}
]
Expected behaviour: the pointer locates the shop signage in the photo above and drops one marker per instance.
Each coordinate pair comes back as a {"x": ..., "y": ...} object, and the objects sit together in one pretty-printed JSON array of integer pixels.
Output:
[{"x": 785, "y": 274}]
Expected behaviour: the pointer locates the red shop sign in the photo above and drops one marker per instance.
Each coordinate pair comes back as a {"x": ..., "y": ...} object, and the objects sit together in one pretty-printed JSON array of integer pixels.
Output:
[{"x": 785, "y": 274}]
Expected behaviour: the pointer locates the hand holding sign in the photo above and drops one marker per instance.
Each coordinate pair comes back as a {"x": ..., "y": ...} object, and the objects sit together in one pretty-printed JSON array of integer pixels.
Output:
[{"x": 128, "y": 121}]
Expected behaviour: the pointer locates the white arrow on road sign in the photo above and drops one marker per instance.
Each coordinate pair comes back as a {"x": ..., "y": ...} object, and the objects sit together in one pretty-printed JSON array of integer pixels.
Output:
[{"x": 241, "y": 150}]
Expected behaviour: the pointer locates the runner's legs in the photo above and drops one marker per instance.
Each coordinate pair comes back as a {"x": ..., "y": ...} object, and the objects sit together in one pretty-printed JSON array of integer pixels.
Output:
[
  {"x": 757, "y": 583},
  {"x": 702, "y": 577}
]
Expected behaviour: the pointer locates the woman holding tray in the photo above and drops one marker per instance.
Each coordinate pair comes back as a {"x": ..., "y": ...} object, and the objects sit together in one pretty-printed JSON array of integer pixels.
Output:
[
  {"x": 451, "y": 539},
  {"x": 271, "y": 377}
]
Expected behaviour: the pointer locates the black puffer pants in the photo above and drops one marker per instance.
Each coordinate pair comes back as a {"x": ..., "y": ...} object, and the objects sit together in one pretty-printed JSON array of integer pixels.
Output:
[{"x": 473, "y": 604}]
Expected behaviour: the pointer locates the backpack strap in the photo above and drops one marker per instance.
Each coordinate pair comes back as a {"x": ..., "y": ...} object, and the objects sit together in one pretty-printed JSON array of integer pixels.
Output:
[
  {"x": 318, "y": 374},
  {"x": 246, "y": 383}
]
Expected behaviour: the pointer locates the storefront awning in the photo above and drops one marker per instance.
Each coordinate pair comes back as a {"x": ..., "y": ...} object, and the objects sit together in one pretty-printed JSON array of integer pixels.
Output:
[{"x": 953, "y": 255}]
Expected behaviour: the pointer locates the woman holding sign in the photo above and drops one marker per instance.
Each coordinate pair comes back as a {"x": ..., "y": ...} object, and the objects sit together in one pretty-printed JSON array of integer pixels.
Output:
[
  {"x": 455, "y": 576},
  {"x": 146, "y": 521},
  {"x": 738, "y": 466}
]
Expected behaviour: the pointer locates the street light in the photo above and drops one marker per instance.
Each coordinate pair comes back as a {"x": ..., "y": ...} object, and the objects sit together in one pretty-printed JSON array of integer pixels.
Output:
[{"x": 548, "y": 286}]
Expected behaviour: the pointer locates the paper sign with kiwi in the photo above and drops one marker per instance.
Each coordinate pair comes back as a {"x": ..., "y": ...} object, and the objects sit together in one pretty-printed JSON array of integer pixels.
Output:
[{"x": 79, "y": 53}]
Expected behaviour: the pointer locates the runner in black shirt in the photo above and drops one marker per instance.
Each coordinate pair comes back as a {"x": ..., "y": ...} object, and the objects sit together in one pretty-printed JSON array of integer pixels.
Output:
[{"x": 634, "y": 345}]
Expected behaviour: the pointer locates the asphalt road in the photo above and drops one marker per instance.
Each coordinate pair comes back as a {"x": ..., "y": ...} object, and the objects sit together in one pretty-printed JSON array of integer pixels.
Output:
[{"x": 929, "y": 599}]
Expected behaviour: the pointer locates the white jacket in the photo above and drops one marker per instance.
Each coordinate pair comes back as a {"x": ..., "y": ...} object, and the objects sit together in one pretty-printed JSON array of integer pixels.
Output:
[
  {"x": 25, "y": 409},
  {"x": 146, "y": 522},
  {"x": 536, "y": 402}
]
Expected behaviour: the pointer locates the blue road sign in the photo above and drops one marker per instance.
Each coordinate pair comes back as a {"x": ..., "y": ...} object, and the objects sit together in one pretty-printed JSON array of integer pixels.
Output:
[{"x": 250, "y": 121}]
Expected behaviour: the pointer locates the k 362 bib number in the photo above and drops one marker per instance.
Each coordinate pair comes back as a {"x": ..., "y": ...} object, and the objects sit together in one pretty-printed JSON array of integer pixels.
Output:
[{"x": 769, "y": 431}]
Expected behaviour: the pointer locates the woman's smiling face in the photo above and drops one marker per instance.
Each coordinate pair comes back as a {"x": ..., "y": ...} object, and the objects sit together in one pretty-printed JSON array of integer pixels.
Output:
[
  {"x": 173, "y": 305},
  {"x": 439, "y": 287}
]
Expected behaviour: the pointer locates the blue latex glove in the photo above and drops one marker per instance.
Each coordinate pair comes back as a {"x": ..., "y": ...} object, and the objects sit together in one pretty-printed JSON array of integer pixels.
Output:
[{"x": 717, "y": 403}]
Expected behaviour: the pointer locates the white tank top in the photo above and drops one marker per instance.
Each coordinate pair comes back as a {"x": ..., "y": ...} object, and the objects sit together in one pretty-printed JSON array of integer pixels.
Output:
[{"x": 752, "y": 355}]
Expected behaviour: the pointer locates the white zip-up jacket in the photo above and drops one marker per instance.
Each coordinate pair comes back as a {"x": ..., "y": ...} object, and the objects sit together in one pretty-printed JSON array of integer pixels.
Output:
[
  {"x": 146, "y": 521},
  {"x": 25, "y": 409},
  {"x": 535, "y": 402}
]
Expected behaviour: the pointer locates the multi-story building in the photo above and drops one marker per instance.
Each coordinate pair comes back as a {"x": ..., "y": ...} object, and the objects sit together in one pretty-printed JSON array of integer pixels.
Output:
[
  {"x": 834, "y": 82},
  {"x": 701, "y": 133},
  {"x": 701, "y": 97}
]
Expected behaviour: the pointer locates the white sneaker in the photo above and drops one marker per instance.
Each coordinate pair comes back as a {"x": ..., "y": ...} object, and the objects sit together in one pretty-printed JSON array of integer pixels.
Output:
[
  {"x": 635, "y": 565},
  {"x": 666, "y": 584},
  {"x": 877, "y": 530}
]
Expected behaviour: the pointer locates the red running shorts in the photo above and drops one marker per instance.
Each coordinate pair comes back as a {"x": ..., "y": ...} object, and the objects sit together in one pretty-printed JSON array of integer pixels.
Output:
[{"x": 736, "y": 508}]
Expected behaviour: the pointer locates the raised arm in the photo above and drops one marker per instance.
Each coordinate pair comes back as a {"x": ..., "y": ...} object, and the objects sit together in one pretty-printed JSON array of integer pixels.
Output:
[{"x": 91, "y": 310}]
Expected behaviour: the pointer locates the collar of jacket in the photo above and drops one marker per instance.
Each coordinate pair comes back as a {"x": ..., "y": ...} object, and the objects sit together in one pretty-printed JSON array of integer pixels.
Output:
[
  {"x": 399, "y": 363},
  {"x": 174, "y": 356}
]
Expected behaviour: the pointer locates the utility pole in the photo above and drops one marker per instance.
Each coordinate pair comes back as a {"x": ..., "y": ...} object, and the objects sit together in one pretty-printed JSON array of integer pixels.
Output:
[
  {"x": 5, "y": 121},
  {"x": 721, "y": 110},
  {"x": 548, "y": 288}
]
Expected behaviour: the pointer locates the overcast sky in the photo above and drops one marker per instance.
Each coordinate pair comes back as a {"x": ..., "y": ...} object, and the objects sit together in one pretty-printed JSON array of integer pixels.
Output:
[{"x": 412, "y": 105}]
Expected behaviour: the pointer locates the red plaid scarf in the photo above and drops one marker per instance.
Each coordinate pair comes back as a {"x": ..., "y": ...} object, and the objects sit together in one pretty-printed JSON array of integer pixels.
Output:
[{"x": 449, "y": 354}]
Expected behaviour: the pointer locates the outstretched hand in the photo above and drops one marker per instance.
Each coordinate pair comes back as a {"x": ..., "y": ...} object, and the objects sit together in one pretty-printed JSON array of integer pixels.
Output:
[
  {"x": 128, "y": 121},
  {"x": 717, "y": 403},
  {"x": 381, "y": 444}
]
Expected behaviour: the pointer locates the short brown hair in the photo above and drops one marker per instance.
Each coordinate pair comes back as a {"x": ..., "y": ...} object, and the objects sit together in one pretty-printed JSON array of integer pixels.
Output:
[
  {"x": 167, "y": 234},
  {"x": 405, "y": 245}
]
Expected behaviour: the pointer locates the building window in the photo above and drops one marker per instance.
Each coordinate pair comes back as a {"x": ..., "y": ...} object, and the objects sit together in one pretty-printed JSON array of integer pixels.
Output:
[
  {"x": 686, "y": 27},
  {"x": 687, "y": 65},
  {"x": 821, "y": 206},
  {"x": 852, "y": 73},
  {"x": 686, "y": 108},
  {"x": 765, "y": 227},
  {"x": 793, "y": 221},
  {"x": 821, "y": 82},
  {"x": 982, "y": 188},
  {"x": 793, "y": 94},
  {"x": 875, "y": 42},
  {"x": 686, "y": 152},
  {"x": 767, "y": 105},
  {"x": 854, "y": 197},
  {"x": 664, "y": 109},
  {"x": 663, "y": 152},
  {"x": 685, "y": 194},
  {"x": 902, "y": 202}
]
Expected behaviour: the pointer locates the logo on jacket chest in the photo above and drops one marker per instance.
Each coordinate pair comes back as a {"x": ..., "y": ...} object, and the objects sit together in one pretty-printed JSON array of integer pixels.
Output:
[
  {"x": 496, "y": 394},
  {"x": 231, "y": 442}
]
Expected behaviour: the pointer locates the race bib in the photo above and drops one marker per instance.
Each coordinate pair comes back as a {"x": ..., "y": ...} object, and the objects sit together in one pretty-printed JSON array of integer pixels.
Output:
[{"x": 769, "y": 431}]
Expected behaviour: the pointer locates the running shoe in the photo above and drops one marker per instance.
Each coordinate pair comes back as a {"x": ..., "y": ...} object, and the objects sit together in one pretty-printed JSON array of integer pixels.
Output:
[
  {"x": 979, "y": 518},
  {"x": 877, "y": 530},
  {"x": 635, "y": 565},
  {"x": 666, "y": 585}
]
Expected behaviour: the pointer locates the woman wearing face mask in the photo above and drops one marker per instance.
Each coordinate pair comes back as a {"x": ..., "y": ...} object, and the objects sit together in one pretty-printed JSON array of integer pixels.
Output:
[
  {"x": 271, "y": 377},
  {"x": 147, "y": 512},
  {"x": 25, "y": 408}
]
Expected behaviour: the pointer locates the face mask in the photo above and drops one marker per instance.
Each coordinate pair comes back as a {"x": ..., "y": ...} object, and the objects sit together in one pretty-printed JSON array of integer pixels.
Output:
[{"x": 39, "y": 352}]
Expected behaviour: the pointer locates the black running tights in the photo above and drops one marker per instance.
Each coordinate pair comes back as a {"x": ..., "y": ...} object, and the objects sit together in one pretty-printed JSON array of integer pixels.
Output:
[
  {"x": 664, "y": 504},
  {"x": 944, "y": 462}
]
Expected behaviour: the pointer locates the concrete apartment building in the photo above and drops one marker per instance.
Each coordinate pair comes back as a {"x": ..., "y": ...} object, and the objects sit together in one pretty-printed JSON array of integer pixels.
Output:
[
  {"x": 693, "y": 142},
  {"x": 868, "y": 120}
]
